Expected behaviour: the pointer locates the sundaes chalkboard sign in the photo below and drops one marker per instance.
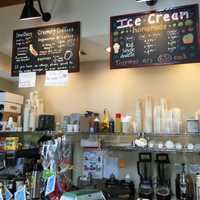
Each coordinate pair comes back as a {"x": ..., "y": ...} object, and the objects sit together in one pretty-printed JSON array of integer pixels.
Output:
[
  {"x": 41, "y": 49},
  {"x": 152, "y": 38}
]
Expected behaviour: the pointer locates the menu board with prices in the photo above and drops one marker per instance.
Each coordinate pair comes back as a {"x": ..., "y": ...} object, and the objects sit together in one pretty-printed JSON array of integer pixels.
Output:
[
  {"x": 54, "y": 47},
  {"x": 154, "y": 38}
]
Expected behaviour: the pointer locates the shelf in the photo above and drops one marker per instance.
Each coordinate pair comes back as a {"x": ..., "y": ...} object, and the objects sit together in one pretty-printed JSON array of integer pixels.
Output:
[
  {"x": 173, "y": 135},
  {"x": 132, "y": 135},
  {"x": 138, "y": 149},
  {"x": 101, "y": 134},
  {"x": 120, "y": 141},
  {"x": 123, "y": 142},
  {"x": 128, "y": 138}
]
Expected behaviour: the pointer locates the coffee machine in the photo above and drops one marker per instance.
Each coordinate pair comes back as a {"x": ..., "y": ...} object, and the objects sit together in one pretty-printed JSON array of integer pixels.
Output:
[
  {"x": 144, "y": 167},
  {"x": 163, "y": 190},
  {"x": 184, "y": 186}
]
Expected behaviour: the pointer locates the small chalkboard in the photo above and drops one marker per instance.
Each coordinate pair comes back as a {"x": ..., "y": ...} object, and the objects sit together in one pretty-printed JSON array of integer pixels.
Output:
[
  {"x": 164, "y": 37},
  {"x": 54, "y": 47}
]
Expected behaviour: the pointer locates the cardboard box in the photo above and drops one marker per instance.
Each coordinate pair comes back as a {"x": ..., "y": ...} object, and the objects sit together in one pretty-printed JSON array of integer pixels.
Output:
[
  {"x": 12, "y": 98},
  {"x": 10, "y": 107},
  {"x": 4, "y": 116}
]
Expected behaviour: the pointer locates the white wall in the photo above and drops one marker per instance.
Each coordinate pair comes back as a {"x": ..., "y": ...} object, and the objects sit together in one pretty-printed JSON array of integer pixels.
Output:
[{"x": 97, "y": 87}]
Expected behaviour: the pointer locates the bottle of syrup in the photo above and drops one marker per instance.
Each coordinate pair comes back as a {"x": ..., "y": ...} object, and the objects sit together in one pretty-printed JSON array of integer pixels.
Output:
[{"x": 105, "y": 121}]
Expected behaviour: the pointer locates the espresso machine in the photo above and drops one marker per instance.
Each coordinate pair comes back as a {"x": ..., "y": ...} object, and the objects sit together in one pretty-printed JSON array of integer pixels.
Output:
[
  {"x": 163, "y": 190},
  {"x": 144, "y": 167},
  {"x": 184, "y": 186}
]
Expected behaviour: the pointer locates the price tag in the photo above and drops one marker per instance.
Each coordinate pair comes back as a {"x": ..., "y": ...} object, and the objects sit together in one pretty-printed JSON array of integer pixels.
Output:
[
  {"x": 51, "y": 183},
  {"x": 27, "y": 80},
  {"x": 56, "y": 78}
]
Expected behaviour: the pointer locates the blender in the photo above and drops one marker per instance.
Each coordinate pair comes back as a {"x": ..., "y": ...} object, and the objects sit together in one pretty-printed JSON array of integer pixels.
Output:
[
  {"x": 163, "y": 191},
  {"x": 144, "y": 167}
]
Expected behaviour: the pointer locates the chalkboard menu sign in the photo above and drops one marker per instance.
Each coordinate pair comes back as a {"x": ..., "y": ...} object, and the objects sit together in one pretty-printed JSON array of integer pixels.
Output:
[
  {"x": 154, "y": 38},
  {"x": 54, "y": 47}
]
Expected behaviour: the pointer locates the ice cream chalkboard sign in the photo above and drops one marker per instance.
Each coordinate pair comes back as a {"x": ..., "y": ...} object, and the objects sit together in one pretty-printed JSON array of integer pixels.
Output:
[
  {"x": 41, "y": 49},
  {"x": 163, "y": 37}
]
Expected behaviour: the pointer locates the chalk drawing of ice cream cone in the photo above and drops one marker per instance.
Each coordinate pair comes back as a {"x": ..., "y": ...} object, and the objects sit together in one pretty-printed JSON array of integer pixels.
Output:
[{"x": 116, "y": 48}]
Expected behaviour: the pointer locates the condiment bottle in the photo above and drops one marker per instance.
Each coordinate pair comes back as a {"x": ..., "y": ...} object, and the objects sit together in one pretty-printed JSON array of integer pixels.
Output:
[
  {"x": 90, "y": 116},
  {"x": 105, "y": 121},
  {"x": 96, "y": 123},
  {"x": 111, "y": 126},
  {"x": 126, "y": 124},
  {"x": 118, "y": 127}
]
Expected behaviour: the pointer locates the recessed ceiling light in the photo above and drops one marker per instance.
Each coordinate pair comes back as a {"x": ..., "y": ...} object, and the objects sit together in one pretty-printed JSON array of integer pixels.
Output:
[{"x": 108, "y": 49}]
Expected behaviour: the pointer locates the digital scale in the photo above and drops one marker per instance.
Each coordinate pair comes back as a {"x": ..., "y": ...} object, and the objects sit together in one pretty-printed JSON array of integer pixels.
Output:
[{"x": 90, "y": 194}]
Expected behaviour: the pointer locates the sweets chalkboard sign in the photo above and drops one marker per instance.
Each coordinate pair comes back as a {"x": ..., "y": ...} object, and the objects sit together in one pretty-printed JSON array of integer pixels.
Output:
[
  {"x": 41, "y": 49},
  {"x": 163, "y": 37}
]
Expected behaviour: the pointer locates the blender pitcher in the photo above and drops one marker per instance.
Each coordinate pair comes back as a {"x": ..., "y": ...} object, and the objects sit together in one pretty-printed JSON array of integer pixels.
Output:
[
  {"x": 144, "y": 167},
  {"x": 163, "y": 191}
]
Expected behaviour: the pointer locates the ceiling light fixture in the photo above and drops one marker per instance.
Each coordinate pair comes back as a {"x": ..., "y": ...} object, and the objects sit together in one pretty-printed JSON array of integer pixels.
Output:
[
  {"x": 29, "y": 12},
  {"x": 148, "y": 2}
]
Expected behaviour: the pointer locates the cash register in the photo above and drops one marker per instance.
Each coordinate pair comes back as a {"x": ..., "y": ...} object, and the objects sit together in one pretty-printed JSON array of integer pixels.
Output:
[{"x": 85, "y": 194}]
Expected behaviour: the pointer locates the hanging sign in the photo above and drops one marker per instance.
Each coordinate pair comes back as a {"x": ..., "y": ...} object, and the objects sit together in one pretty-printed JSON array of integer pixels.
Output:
[
  {"x": 41, "y": 49},
  {"x": 56, "y": 78},
  {"x": 27, "y": 80},
  {"x": 154, "y": 38}
]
